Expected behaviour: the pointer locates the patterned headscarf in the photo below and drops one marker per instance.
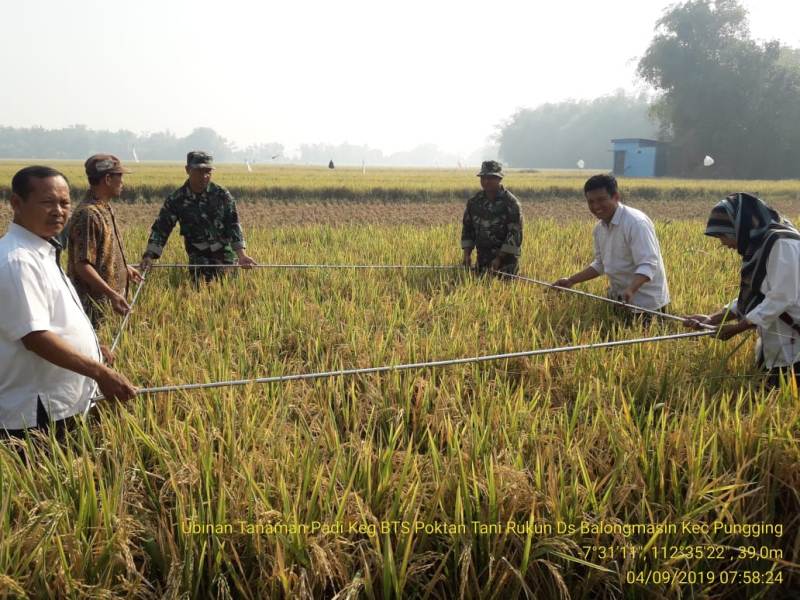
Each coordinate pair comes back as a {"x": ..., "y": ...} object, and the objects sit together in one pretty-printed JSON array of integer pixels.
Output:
[
  {"x": 756, "y": 227},
  {"x": 722, "y": 220}
]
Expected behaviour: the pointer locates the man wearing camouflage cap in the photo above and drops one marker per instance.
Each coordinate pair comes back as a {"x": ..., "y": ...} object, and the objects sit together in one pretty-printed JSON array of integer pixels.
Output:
[
  {"x": 209, "y": 222},
  {"x": 493, "y": 224},
  {"x": 96, "y": 259}
]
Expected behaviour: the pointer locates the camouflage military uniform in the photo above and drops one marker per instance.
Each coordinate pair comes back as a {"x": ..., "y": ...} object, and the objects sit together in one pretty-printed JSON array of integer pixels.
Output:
[
  {"x": 209, "y": 226},
  {"x": 492, "y": 227}
]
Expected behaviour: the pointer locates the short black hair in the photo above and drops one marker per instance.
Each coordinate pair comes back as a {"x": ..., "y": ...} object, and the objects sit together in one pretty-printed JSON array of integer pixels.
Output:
[
  {"x": 95, "y": 179},
  {"x": 21, "y": 182},
  {"x": 604, "y": 181}
]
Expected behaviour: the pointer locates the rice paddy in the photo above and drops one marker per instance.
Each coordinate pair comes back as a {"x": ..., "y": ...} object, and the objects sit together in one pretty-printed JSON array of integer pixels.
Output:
[
  {"x": 266, "y": 183},
  {"x": 648, "y": 471}
]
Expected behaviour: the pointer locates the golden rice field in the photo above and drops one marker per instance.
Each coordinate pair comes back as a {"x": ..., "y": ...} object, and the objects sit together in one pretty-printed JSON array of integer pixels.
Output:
[
  {"x": 646, "y": 471},
  {"x": 153, "y": 180}
]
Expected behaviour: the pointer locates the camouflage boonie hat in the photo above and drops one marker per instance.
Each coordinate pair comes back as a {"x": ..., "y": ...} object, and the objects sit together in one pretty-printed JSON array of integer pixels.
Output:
[
  {"x": 198, "y": 159},
  {"x": 491, "y": 168},
  {"x": 98, "y": 165}
]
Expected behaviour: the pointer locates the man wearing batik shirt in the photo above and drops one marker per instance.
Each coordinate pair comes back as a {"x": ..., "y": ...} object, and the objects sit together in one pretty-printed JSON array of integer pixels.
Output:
[
  {"x": 209, "y": 222},
  {"x": 626, "y": 249},
  {"x": 96, "y": 259}
]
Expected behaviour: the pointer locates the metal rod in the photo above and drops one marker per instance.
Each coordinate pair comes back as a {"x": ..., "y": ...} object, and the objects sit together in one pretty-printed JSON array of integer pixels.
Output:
[
  {"x": 433, "y": 267},
  {"x": 306, "y": 266},
  {"x": 128, "y": 314},
  {"x": 632, "y": 307},
  {"x": 420, "y": 365},
  {"x": 93, "y": 401}
]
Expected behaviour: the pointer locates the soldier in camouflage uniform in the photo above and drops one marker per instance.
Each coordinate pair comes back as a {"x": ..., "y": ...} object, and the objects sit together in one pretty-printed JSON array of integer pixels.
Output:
[
  {"x": 492, "y": 224},
  {"x": 209, "y": 222}
]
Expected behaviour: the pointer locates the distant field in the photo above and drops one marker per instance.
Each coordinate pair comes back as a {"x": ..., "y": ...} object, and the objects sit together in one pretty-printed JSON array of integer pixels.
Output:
[
  {"x": 533, "y": 477},
  {"x": 152, "y": 181}
]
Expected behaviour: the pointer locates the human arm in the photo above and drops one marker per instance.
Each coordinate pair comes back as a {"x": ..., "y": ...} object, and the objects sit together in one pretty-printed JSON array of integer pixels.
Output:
[
  {"x": 726, "y": 332},
  {"x": 108, "y": 355},
  {"x": 781, "y": 289},
  {"x": 512, "y": 244},
  {"x": 89, "y": 275},
  {"x": 645, "y": 252},
  {"x": 160, "y": 231},
  {"x": 244, "y": 260},
  {"x": 638, "y": 281},
  {"x": 27, "y": 317},
  {"x": 134, "y": 274},
  {"x": 567, "y": 282},
  {"x": 467, "y": 237},
  {"x": 233, "y": 230},
  {"x": 595, "y": 269},
  {"x": 781, "y": 284},
  {"x": 55, "y": 350},
  {"x": 721, "y": 317},
  {"x": 87, "y": 233},
  {"x": 696, "y": 321}
]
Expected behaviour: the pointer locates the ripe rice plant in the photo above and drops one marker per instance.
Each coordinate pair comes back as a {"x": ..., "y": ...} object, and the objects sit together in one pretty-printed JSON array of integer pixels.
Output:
[{"x": 551, "y": 477}]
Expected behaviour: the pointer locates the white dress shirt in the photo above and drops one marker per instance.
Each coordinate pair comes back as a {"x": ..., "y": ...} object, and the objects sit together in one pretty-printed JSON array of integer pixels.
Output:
[
  {"x": 779, "y": 343},
  {"x": 35, "y": 295},
  {"x": 628, "y": 246}
]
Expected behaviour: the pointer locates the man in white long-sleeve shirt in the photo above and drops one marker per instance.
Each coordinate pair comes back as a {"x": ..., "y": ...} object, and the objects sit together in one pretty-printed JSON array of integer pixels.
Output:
[
  {"x": 626, "y": 249},
  {"x": 769, "y": 290},
  {"x": 51, "y": 360}
]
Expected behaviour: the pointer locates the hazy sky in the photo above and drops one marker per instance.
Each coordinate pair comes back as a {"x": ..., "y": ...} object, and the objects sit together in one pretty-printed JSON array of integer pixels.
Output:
[{"x": 390, "y": 75}]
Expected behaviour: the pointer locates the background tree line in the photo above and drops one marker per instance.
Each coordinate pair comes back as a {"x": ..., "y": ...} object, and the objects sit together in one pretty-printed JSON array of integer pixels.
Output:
[
  {"x": 559, "y": 135},
  {"x": 719, "y": 92},
  {"x": 78, "y": 142}
]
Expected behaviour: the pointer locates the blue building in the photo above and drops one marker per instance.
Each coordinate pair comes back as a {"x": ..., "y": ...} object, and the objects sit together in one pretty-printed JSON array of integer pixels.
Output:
[{"x": 638, "y": 157}]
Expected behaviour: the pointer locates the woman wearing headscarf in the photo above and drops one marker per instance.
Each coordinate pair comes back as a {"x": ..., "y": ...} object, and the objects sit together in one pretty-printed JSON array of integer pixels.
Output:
[{"x": 769, "y": 288}]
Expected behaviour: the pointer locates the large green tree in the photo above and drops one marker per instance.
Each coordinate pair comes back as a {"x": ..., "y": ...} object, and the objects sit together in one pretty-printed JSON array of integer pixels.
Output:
[
  {"x": 559, "y": 135},
  {"x": 723, "y": 93}
]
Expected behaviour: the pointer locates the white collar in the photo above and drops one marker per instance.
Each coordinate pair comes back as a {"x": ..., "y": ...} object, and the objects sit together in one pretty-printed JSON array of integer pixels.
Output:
[
  {"x": 31, "y": 241},
  {"x": 617, "y": 216}
]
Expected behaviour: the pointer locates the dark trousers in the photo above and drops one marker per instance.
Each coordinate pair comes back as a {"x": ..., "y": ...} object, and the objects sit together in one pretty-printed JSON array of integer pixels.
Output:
[
  {"x": 43, "y": 424},
  {"x": 508, "y": 264},
  {"x": 630, "y": 316},
  {"x": 224, "y": 256},
  {"x": 775, "y": 374}
]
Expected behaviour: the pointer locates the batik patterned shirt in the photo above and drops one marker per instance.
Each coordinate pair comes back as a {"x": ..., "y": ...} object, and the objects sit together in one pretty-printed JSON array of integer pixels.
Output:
[{"x": 93, "y": 238}]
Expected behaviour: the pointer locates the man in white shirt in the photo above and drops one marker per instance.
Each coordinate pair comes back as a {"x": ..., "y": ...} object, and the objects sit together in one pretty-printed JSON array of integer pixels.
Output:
[
  {"x": 52, "y": 361},
  {"x": 769, "y": 288},
  {"x": 626, "y": 249}
]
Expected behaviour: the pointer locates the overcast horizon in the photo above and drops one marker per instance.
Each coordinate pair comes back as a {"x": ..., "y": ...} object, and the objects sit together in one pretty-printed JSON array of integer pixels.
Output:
[{"x": 388, "y": 77}]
